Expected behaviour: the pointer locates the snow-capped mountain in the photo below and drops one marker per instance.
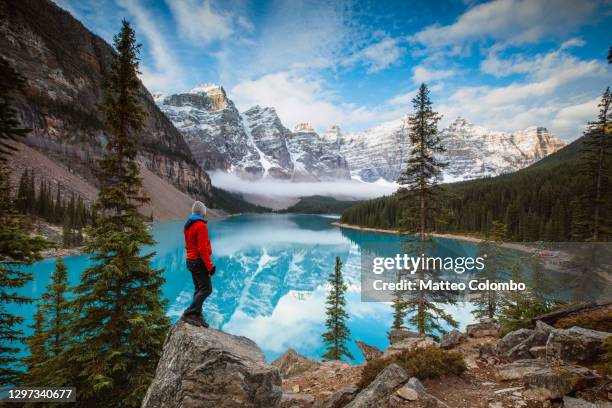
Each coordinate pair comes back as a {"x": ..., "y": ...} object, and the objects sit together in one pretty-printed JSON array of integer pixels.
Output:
[
  {"x": 253, "y": 144},
  {"x": 471, "y": 151},
  {"x": 256, "y": 144}
]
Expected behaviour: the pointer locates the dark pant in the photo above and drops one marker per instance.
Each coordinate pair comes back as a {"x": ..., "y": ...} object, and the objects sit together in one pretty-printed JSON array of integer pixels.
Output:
[{"x": 202, "y": 285}]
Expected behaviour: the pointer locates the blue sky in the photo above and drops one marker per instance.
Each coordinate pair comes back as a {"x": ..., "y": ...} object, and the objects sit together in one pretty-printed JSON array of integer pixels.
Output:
[{"x": 503, "y": 64}]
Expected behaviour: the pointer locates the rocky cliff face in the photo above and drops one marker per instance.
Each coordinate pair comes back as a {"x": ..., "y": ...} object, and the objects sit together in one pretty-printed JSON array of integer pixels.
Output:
[
  {"x": 253, "y": 144},
  {"x": 209, "y": 368},
  {"x": 65, "y": 64},
  {"x": 472, "y": 151}
]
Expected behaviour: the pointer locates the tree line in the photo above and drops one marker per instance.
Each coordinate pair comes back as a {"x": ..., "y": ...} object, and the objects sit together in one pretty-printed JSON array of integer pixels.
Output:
[
  {"x": 564, "y": 197},
  {"x": 55, "y": 205}
]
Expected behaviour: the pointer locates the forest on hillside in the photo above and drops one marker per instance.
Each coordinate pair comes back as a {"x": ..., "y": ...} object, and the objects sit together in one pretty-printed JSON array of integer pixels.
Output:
[{"x": 540, "y": 202}]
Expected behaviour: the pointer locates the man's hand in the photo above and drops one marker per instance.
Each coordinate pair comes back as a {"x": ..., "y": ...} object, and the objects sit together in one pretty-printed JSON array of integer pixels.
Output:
[{"x": 213, "y": 270}]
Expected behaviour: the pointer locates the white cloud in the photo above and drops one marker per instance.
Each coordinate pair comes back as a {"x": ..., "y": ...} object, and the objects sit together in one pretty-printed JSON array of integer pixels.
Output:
[
  {"x": 202, "y": 22},
  {"x": 557, "y": 93},
  {"x": 422, "y": 74},
  {"x": 573, "y": 118},
  {"x": 509, "y": 21},
  {"x": 377, "y": 56},
  {"x": 295, "y": 97},
  {"x": 402, "y": 99},
  {"x": 167, "y": 72}
]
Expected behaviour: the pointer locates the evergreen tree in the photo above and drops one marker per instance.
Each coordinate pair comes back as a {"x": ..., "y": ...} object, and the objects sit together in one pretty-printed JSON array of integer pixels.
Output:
[
  {"x": 51, "y": 331},
  {"x": 593, "y": 222},
  {"x": 337, "y": 333},
  {"x": 16, "y": 247},
  {"x": 37, "y": 345},
  {"x": 120, "y": 323},
  {"x": 486, "y": 302},
  {"x": 399, "y": 311},
  {"x": 420, "y": 182}
]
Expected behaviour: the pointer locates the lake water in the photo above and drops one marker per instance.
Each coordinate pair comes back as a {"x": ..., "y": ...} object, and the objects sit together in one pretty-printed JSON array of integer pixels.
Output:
[{"x": 271, "y": 278}]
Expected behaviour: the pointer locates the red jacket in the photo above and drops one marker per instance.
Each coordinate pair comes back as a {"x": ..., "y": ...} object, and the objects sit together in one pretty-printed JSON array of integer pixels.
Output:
[{"x": 197, "y": 243}]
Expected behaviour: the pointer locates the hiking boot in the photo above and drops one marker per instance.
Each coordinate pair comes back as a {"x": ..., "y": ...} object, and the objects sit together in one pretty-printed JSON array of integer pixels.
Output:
[
  {"x": 192, "y": 320},
  {"x": 203, "y": 322}
]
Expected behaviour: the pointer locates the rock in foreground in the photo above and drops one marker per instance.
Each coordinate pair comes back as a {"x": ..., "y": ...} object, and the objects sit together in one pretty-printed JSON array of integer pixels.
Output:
[
  {"x": 209, "y": 368},
  {"x": 291, "y": 363}
]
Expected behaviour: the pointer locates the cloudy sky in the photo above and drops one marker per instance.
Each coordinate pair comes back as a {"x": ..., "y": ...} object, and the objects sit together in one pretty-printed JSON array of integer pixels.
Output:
[{"x": 503, "y": 64}]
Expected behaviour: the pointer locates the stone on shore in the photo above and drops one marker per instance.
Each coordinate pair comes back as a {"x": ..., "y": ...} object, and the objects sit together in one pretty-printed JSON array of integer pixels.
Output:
[
  {"x": 484, "y": 328},
  {"x": 451, "y": 339},
  {"x": 380, "y": 389},
  {"x": 555, "y": 382}
]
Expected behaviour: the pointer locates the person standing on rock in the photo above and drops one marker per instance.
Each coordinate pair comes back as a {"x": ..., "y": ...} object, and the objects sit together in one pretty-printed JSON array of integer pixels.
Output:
[{"x": 199, "y": 262}]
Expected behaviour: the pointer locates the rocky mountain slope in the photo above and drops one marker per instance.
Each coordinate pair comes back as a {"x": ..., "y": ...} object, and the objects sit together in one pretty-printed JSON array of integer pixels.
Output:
[
  {"x": 256, "y": 144},
  {"x": 64, "y": 65},
  {"x": 472, "y": 151},
  {"x": 253, "y": 144}
]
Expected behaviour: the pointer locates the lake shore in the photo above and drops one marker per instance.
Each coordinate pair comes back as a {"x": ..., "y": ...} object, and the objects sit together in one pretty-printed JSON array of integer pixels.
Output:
[{"x": 457, "y": 237}]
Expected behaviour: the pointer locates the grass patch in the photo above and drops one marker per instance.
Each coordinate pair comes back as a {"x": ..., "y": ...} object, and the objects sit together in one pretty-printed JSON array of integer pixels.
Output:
[
  {"x": 600, "y": 320},
  {"x": 427, "y": 362}
]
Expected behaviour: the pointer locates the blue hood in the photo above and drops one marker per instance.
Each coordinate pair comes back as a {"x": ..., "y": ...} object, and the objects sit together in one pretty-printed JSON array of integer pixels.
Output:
[{"x": 193, "y": 218}]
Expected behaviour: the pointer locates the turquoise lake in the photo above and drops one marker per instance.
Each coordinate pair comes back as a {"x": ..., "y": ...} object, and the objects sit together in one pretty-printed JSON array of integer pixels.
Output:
[{"x": 271, "y": 279}]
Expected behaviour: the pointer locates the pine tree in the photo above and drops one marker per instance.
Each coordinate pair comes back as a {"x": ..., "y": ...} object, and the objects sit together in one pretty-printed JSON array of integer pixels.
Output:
[
  {"x": 121, "y": 322},
  {"x": 16, "y": 247},
  {"x": 399, "y": 312},
  {"x": 487, "y": 302},
  {"x": 51, "y": 331},
  {"x": 420, "y": 182},
  {"x": 593, "y": 223},
  {"x": 337, "y": 333}
]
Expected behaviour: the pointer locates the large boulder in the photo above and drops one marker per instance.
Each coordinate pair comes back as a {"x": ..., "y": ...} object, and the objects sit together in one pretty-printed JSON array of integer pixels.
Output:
[
  {"x": 484, "y": 328},
  {"x": 451, "y": 339},
  {"x": 555, "y": 382},
  {"x": 369, "y": 352},
  {"x": 519, "y": 369},
  {"x": 291, "y": 363},
  {"x": 341, "y": 397},
  {"x": 397, "y": 335},
  {"x": 577, "y": 345},
  {"x": 520, "y": 343},
  {"x": 380, "y": 389},
  {"x": 209, "y": 368}
]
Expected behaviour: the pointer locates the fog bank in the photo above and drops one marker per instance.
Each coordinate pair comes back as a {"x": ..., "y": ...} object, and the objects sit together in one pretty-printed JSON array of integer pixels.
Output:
[{"x": 341, "y": 189}]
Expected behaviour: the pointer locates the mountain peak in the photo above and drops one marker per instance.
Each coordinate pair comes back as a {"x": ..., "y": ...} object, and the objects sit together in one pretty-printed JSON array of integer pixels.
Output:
[
  {"x": 207, "y": 88},
  {"x": 303, "y": 127}
]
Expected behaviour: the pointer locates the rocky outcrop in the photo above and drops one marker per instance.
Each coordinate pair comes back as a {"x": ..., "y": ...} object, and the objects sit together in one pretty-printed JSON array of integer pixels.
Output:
[
  {"x": 65, "y": 65},
  {"x": 569, "y": 402},
  {"x": 397, "y": 335},
  {"x": 291, "y": 363},
  {"x": 341, "y": 397},
  {"x": 484, "y": 328},
  {"x": 409, "y": 344},
  {"x": 369, "y": 352},
  {"x": 555, "y": 382},
  {"x": 576, "y": 345},
  {"x": 379, "y": 390},
  {"x": 209, "y": 368},
  {"x": 519, "y": 369},
  {"x": 451, "y": 339}
]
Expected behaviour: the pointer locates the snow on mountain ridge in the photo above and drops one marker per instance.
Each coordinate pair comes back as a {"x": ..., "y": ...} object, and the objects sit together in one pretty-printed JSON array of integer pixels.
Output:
[{"x": 256, "y": 144}]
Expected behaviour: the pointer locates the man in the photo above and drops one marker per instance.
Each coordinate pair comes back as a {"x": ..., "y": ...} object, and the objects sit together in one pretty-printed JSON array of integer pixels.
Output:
[{"x": 199, "y": 263}]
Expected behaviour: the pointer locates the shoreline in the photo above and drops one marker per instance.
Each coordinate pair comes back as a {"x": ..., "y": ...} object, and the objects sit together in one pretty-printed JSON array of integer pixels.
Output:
[{"x": 457, "y": 237}]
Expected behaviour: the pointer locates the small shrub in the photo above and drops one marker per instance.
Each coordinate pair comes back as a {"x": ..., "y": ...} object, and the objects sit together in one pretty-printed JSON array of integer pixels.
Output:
[
  {"x": 596, "y": 320},
  {"x": 606, "y": 358},
  {"x": 427, "y": 362}
]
